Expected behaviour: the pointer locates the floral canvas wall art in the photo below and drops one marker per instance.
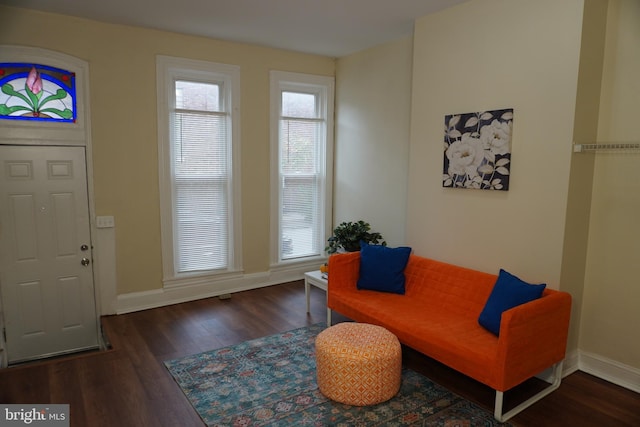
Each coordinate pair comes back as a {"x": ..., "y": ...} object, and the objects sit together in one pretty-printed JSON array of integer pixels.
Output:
[{"x": 477, "y": 150}]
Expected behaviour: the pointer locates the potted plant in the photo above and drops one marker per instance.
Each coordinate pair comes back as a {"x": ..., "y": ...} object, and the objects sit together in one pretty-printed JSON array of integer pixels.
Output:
[{"x": 348, "y": 235}]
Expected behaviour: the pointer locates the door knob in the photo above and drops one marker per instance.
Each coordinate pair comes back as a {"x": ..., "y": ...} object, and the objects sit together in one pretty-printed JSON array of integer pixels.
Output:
[{"x": 85, "y": 261}]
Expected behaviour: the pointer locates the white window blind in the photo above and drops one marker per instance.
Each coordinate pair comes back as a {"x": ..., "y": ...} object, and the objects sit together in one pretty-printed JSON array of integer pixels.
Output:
[
  {"x": 301, "y": 156},
  {"x": 301, "y": 141},
  {"x": 198, "y": 128},
  {"x": 200, "y": 161}
]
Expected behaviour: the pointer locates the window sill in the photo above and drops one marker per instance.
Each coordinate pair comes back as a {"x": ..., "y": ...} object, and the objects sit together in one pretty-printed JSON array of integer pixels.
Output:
[{"x": 200, "y": 279}]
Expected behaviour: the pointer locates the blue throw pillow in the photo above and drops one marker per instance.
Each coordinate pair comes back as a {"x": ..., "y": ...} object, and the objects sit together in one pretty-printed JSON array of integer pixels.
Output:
[
  {"x": 508, "y": 292},
  {"x": 382, "y": 268}
]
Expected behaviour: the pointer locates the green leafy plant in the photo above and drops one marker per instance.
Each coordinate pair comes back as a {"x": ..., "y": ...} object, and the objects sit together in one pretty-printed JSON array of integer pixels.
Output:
[{"x": 348, "y": 235}]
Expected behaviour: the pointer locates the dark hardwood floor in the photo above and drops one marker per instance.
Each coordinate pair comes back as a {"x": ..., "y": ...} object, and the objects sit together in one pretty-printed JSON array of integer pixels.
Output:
[{"x": 129, "y": 386}]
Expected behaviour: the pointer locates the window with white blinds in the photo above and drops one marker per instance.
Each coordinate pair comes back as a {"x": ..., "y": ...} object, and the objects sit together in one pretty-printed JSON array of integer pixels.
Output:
[
  {"x": 197, "y": 162},
  {"x": 301, "y": 157},
  {"x": 200, "y": 163}
]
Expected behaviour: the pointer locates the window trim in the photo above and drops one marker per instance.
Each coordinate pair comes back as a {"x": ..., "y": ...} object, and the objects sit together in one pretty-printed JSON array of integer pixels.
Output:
[
  {"x": 299, "y": 82},
  {"x": 168, "y": 70}
]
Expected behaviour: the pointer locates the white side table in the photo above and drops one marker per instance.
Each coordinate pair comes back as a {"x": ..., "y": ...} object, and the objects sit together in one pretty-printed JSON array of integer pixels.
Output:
[{"x": 315, "y": 278}]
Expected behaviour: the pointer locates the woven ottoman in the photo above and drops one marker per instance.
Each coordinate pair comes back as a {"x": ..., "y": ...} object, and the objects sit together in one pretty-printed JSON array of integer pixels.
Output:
[{"x": 358, "y": 364}]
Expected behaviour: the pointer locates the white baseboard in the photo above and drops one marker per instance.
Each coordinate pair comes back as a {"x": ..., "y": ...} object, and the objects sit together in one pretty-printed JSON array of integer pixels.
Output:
[
  {"x": 571, "y": 363},
  {"x": 598, "y": 366},
  {"x": 569, "y": 366},
  {"x": 610, "y": 370},
  {"x": 136, "y": 301}
]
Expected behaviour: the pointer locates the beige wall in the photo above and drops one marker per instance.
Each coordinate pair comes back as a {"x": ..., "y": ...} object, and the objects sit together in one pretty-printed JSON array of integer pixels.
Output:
[
  {"x": 123, "y": 115},
  {"x": 580, "y": 183},
  {"x": 485, "y": 55},
  {"x": 611, "y": 309},
  {"x": 373, "y": 101}
]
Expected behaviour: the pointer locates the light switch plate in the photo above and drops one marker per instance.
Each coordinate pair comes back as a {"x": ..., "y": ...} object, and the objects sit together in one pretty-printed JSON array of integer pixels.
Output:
[{"x": 105, "y": 222}]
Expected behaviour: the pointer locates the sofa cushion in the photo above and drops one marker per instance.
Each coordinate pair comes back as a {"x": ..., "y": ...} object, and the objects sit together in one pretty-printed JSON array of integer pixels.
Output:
[
  {"x": 508, "y": 292},
  {"x": 382, "y": 268}
]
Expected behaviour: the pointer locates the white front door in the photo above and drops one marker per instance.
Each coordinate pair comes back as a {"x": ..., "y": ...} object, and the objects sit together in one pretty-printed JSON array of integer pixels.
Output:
[{"x": 46, "y": 277}]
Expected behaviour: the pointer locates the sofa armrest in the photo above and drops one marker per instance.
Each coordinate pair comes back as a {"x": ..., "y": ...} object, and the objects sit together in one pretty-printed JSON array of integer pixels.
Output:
[
  {"x": 344, "y": 270},
  {"x": 533, "y": 337}
]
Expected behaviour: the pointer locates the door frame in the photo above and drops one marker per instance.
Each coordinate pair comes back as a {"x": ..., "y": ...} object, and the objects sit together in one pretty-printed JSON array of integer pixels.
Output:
[{"x": 19, "y": 132}]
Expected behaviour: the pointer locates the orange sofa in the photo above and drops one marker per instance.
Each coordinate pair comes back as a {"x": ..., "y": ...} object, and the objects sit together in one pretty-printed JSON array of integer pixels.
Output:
[{"x": 438, "y": 316}]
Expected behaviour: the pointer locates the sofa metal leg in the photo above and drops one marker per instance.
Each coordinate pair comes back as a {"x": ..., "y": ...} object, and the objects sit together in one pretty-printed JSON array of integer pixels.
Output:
[
  {"x": 328, "y": 317},
  {"x": 497, "y": 413}
]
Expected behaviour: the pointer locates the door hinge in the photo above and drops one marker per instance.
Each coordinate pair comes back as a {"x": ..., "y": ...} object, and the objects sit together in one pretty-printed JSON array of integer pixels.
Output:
[{"x": 4, "y": 334}]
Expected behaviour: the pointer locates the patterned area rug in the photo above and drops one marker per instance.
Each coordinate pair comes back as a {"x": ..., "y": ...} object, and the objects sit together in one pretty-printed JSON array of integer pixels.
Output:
[{"x": 271, "y": 381}]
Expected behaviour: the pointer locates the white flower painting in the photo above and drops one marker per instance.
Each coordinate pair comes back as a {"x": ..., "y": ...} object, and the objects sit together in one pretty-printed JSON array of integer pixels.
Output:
[{"x": 477, "y": 150}]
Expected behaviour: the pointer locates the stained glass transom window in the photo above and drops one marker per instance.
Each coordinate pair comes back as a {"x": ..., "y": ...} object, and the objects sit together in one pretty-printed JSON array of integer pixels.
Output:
[{"x": 37, "y": 92}]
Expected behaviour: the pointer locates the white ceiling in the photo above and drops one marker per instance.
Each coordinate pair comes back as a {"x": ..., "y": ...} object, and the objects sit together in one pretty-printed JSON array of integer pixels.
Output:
[{"x": 326, "y": 27}]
